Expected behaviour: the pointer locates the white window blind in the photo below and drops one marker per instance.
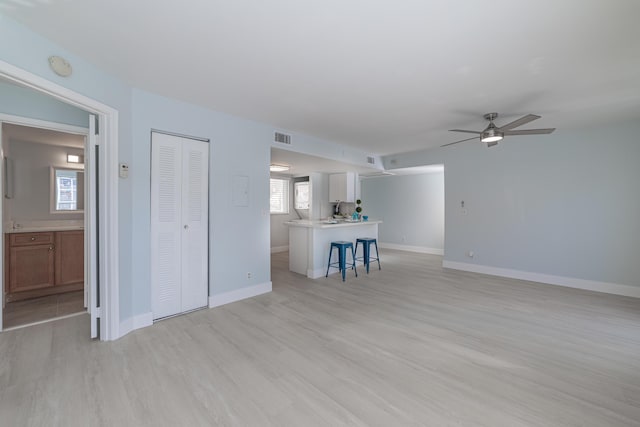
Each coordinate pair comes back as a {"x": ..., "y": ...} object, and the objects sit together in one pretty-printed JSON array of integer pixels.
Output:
[{"x": 279, "y": 200}]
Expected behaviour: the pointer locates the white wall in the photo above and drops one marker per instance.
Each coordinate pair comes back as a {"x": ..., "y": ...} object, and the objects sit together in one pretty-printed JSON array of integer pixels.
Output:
[
  {"x": 412, "y": 208},
  {"x": 564, "y": 204},
  {"x": 279, "y": 231},
  {"x": 32, "y": 162}
]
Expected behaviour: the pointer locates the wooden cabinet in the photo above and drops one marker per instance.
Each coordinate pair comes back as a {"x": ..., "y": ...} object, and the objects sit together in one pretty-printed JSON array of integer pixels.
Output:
[
  {"x": 44, "y": 263},
  {"x": 30, "y": 261},
  {"x": 69, "y": 257},
  {"x": 342, "y": 187}
]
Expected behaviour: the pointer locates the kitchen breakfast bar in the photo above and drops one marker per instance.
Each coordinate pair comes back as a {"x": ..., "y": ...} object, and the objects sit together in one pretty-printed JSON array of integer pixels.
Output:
[{"x": 309, "y": 242}]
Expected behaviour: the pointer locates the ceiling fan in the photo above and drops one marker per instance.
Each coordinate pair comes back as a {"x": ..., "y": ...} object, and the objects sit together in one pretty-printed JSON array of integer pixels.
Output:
[{"x": 492, "y": 134}]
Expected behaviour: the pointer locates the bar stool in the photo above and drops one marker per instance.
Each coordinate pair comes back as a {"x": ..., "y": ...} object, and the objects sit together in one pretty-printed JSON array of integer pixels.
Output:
[
  {"x": 366, "y": 251},
  {"x": 342, "y": 246}
]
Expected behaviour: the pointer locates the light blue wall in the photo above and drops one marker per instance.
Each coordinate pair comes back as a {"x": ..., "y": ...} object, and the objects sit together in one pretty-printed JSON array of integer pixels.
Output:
[
  {"x": 25, "y": 49},
  {"x": 411, "y": 206},
  {"x": 25, "y": 102},
  {"x": 239, "y": 236},
  {"x": 564, "y": 204}
]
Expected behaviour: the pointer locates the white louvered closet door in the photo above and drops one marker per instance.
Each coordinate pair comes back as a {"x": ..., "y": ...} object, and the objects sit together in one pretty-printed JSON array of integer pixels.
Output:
[
  {"x": 179, "y": 224},
  {"x": 195, "y": 224}
]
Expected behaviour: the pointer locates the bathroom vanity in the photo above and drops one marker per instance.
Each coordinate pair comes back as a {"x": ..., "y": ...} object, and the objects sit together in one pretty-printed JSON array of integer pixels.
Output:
[{"x": 43, "y": 262}]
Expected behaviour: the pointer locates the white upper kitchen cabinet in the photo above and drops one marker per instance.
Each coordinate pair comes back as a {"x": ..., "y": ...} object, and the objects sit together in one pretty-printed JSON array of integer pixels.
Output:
[{"x": 342, "y": 187}]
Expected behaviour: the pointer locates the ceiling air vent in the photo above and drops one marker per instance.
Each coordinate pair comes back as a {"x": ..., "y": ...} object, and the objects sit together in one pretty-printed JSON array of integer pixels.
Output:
[
  {"x": 371, "y": 160},
  {"x": 283, "y": 138}
]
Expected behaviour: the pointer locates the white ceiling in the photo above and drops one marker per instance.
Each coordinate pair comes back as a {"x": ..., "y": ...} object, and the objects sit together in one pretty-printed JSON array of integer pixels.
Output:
[
  {"x": 14, "y": 132},
  {"x": 384, "y": 76},
  {"x": 303, "y": 164}
]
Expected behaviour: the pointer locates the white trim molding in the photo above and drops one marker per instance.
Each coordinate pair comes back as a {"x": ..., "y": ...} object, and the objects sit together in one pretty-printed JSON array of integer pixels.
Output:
[
  {"x": 318, "y": 272},
  {"x": 570, "y": 282},
  {"x": 239, "y": 294},
  {"x": 276, "y": 249},
  {"x": 136, "y": 322},
  {"x": 418, "y": 249},
  {"x": 43, "y": 124}
]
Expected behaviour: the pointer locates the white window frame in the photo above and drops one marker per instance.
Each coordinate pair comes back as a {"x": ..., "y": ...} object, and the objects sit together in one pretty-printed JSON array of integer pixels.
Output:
[{"x": 286, "y": 196}]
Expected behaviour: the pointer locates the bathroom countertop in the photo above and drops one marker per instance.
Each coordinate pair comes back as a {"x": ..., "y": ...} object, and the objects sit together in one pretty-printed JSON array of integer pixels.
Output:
[
  {"x": 43, "y": 229},
  {"x": 42, "y": 226}
]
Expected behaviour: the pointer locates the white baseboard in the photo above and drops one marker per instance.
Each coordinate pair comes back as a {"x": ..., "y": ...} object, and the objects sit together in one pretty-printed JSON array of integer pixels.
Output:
[
  {"x": 570, "y": 282},
  {"x": 276, "y": 249},
  {"x": 135, "y": 322},
  {"x": 419, "y": 249},
  {"x": 239, "y": 294},
  {"x": 318, "y": 272}
]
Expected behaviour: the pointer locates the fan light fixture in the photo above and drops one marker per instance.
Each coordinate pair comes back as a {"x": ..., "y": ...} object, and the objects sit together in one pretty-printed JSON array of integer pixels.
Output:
[
  {"x": 491, "y": 135},
  {"x": 278, "y": 168}
]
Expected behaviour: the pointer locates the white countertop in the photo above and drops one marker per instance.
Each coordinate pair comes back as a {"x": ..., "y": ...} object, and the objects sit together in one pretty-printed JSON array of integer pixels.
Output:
[
  {"x": 43, "y": 226},
  {"x": 329, "y": 224},
  {"x": 43, "y": 229}
]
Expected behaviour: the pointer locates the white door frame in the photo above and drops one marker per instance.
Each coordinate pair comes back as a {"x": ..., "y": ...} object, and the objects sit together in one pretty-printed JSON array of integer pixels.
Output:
[{"x": 108, "y": 170}]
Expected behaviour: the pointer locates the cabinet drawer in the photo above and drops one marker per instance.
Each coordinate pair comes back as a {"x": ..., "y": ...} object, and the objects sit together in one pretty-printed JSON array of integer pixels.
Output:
[{"x": 23, "y": 239}]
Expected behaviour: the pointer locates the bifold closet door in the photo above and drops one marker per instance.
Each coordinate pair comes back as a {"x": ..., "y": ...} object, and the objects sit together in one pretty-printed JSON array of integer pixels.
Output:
[{"x": 179, "y": 224}]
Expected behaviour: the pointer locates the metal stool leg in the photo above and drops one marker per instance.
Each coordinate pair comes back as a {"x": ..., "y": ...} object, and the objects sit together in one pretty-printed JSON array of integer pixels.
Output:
[
  {"x": 375, "y": 242},
  {"x": 353, "y": 259},
  {"x": 329, "y": 263},
  {"x": 367, "y": 251},
  {"x": 343, "y": 261}
]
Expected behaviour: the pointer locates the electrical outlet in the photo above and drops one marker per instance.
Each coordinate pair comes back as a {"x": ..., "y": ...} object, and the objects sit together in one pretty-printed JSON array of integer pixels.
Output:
[{"x": 249, "y": 275}]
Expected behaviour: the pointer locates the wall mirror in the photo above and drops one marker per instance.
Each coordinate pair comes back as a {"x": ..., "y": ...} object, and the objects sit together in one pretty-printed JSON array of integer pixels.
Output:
[{"x": 67, "y": 190}]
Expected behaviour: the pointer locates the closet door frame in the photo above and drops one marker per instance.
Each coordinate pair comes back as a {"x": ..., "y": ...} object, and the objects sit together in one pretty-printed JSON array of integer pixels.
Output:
[{"x": 179, "y": 223}]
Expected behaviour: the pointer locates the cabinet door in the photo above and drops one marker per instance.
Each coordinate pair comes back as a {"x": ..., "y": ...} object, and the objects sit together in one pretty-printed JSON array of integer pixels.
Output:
[
  {"x": 338, "y": 187},
  {"x": 30, "y": 267},
  {"x": 69, "y": 257},
  {"x": 342, "y": 187}
]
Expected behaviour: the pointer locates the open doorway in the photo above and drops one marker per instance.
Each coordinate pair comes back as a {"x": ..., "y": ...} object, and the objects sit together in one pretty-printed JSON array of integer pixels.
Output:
[
  {"x": 101, "y": 211},
  {"x": 43, "y": 223}
]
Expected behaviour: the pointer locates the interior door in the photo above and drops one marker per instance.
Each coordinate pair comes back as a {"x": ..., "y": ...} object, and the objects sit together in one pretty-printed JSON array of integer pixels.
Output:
[
  {"x": 179, "y": 224},
  {"x": 91, "y": 222},
  {"x": 2, "y": 254},
  {"x": 195, "y": 224}
]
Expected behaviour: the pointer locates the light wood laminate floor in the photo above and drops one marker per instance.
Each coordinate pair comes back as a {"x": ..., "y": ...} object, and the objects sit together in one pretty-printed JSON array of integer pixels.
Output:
[
  {"x": 412, "y": 344},
  {"x": 39, "y": 309}
]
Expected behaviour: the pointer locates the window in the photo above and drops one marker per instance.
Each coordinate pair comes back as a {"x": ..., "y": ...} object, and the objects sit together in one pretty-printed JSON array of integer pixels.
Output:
[
  {"x": 279, "y": 199},
  {"x": 67, "y": 190}
]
